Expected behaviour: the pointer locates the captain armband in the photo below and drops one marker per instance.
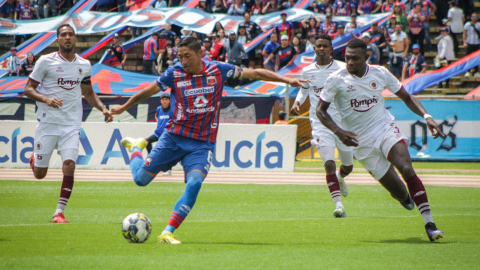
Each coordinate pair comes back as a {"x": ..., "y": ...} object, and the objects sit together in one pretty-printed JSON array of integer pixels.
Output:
[
  {"x": 238, "y": 72},
  {"x": 86, "y": 80}
]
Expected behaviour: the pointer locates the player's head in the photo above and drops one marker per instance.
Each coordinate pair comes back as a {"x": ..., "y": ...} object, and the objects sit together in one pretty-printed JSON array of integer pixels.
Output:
[
  {"x": 190, "y": 54},
  {"x": 165, "y": 100},
  {"x": 323, "y": 46},
  {"x": 66, "y": 38},
  {"x": 356, "y": 55}
]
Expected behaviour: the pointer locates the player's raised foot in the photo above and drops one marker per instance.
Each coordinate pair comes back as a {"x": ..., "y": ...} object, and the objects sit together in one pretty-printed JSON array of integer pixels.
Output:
[
  {"x": 59, "y": 218},
  {"x": 433, "y": 233},
  {"x": 167, "y": 173},
  {"x": 129, "y": 143},
  {"x": 343, "y": 185},
  {"x": 168, "y": 238},
  {"x": 409, "y": 204},
  {"x": 339, "y": 212}
]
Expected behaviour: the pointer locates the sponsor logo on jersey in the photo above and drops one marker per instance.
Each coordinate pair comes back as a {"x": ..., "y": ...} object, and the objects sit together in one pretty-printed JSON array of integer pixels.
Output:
[
  {"x": 230, "y": 73},
  {"x": 80, "y": 71},
  {"x": 199, "y": 91},
  {"x": 67, "y": 84},
  {"x": 59, "y": 69},
  {"x": 38, "y": 146},
  {"x": 164, "y": 117},
  {"x": 184, "y": 83},
  {"x": 354, "y": 103},
  {"x": 200, "y": 102},
  {"x": 317, "y": 90},
  {"x": 351, "y": 88},
  {"x": 373, "y": 85},
  {"x": 211, "y": 80},
  {"x": 201, "y": 110}
]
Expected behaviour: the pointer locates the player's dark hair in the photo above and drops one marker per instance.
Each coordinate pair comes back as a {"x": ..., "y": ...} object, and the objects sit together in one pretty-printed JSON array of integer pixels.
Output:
[
  {"x": 357, "y": 43},
  {"x": 191, "y": 42},
  {"x": 65, "y": 24},
  {"x": 324, "y": 36},
  {"x": 282, "y": 115}
]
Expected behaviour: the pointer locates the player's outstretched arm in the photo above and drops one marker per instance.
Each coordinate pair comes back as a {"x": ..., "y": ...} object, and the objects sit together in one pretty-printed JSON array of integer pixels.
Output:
[
  {"x": 94, "y": 100},
  {"x": 415, "y": 106},
  {"x": 31, "y": 92},
  {"x": 147, "y": 92},
  {"x": 346, "y": 137},
  {"x": 267, "y": 75}
]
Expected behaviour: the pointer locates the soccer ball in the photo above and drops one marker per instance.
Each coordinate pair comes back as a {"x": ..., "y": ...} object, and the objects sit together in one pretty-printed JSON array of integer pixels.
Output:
[{"x": 136, "y": 228}]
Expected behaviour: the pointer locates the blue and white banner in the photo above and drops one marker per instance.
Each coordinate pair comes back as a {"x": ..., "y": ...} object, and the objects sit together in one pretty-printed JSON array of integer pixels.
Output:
[
  {"x": 39, "y": 42},
  {"x": 87, "y": 22},
  {"x": 240, "y": 147},
  {"x": 419, "y": 82},
  {"x": 459, "y": 120}
]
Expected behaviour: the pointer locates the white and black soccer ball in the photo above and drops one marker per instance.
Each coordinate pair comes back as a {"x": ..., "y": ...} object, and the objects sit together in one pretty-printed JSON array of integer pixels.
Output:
[{"x": 136, "y": 228}]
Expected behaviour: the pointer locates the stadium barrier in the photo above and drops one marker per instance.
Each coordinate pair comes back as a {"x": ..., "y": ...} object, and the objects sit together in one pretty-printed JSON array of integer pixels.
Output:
[{"x": 240, "y": 147}]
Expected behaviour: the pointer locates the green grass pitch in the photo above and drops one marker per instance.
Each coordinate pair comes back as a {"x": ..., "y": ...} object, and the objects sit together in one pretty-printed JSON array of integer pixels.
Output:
[{"x": 235, "y": 227}]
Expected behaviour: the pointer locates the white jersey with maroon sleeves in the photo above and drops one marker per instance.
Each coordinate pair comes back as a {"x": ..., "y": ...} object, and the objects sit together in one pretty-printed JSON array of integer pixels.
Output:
[
  {"x": 359, "y": 100},
  {"x": 61, "y": 79},
  {"x": 317, "y": 76}
]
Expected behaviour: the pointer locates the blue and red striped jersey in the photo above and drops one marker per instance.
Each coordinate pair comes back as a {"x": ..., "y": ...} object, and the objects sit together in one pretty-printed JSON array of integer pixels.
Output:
[
  {"x": 197, "y": 98},
  {"x": 148, "y": 51}
]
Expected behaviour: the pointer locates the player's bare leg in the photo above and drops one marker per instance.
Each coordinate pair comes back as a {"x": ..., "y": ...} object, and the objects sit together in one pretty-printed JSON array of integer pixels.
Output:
[
  {"x": 400, "y": 158},
  {"x": 40, "y": 173},
  {"x": 68, "y": 170},
  {"x": 392, "y": 182}
]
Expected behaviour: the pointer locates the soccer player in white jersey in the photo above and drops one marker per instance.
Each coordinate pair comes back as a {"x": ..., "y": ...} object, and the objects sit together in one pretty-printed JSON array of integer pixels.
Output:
[
  {"x": 367, "y": 126},
  {"x": 62, "y": 78},
  {"x": 324, "y": 138}
]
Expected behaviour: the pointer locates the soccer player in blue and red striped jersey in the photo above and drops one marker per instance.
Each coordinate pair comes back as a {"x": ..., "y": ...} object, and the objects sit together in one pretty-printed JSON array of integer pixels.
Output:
[
  {"x": 190, "y": 136},
  {"x": 150, "y": 52}
]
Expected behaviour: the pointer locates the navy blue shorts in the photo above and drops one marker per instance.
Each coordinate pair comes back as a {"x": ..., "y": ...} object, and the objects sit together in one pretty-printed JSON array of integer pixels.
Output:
[
  {"x": 7, "y": 8},
  {"x": 171, "y": 149}
]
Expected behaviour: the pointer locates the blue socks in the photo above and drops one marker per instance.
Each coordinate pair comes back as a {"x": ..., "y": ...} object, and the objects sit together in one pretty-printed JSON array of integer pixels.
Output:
[
  {"x": 186, "y": 201},
  {"x": 140, "y": 176}
]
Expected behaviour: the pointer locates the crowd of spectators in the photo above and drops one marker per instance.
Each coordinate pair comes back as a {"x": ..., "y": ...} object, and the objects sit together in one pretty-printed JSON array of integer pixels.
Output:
[{"x": 406, "y": 32}]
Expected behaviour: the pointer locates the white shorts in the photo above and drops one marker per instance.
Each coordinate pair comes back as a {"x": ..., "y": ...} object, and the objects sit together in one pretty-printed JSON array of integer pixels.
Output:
[
  {"x": 374, "y": 155},
  {"x": 326, "y": 141},
  {"x": 50, "y": 136}
]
